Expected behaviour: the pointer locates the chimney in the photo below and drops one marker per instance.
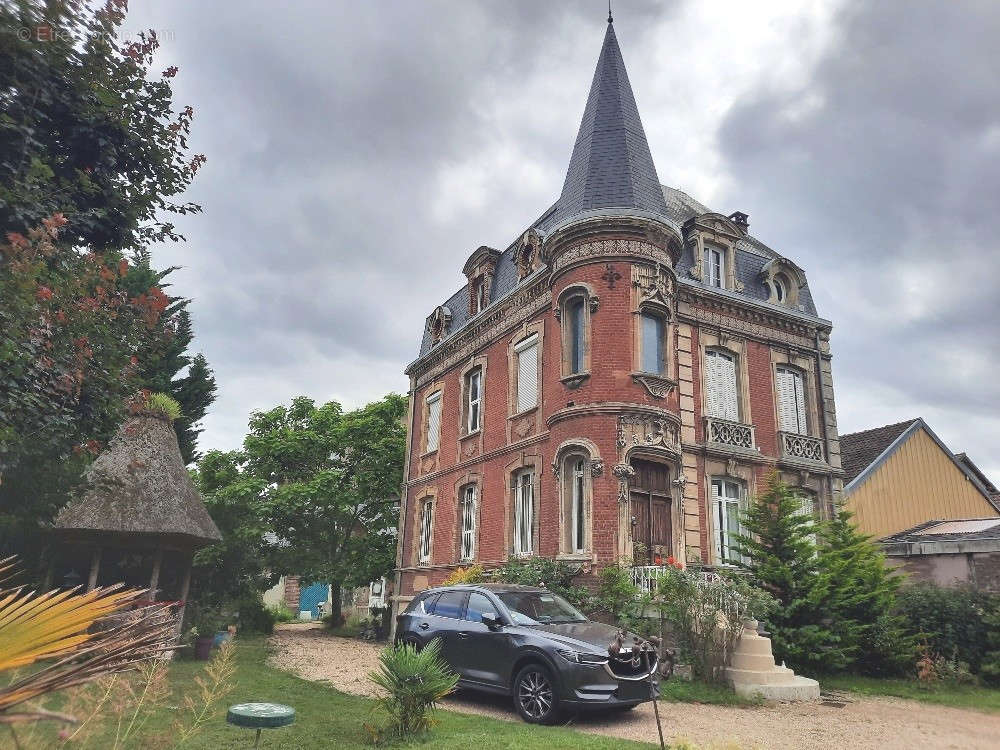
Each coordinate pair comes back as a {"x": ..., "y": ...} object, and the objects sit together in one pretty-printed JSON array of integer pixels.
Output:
[{"x": 741, "y": 220}]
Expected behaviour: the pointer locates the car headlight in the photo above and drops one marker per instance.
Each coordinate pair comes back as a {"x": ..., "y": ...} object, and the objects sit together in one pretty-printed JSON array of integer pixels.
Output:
[{"x": 580, "y": 657}]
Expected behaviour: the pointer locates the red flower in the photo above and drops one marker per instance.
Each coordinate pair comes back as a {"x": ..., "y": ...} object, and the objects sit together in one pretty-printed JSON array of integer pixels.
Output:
[
  {"x": 43, "y": 294},
  {"x": 17, "y": 239},
  {"x": 671, "y": 560}
]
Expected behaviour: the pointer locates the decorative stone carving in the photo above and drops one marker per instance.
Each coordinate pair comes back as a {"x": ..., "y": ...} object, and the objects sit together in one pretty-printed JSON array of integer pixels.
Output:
[
  {"x": 794, "y": 445},
  {"x": 439, "y": 323},
  {"x": 596, "y": 468},
  {"x": 623, "y": 472},
  {"x": 470, "y": 449},
  {"x": 555, "y": 467},
  {"x": 524, "y": 426},
  {"x": 731, "y": 467},
  {"x": 655, "y": 284},
  {"x": 727, "y": 432},
  {"x": 610, "y": 275},
  {"x": 658, "y": 387},
  {"x": 574, "y": 381},
  {"x": 617, "y": 247},
  {"x": 648, "y": 430}
]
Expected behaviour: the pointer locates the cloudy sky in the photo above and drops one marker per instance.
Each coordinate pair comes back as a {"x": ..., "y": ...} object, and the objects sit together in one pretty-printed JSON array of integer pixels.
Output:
[{"x": 353, "y": 145}]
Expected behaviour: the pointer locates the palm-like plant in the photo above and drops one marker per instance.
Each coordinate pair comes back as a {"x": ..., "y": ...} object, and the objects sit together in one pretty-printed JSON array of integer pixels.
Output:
[
  {"x": 414, "y": 682},
  {"x": 85, "y": 635}
]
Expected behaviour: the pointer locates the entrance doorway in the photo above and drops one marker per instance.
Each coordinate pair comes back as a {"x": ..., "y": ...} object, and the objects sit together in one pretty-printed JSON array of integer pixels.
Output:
[{"x": 649, "y": 498}]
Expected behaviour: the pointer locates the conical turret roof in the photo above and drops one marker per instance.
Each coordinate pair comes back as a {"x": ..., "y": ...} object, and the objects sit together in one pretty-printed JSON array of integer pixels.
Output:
[
  {"x": 611, "y": 166},
  {"x": 139, "y": 485}
]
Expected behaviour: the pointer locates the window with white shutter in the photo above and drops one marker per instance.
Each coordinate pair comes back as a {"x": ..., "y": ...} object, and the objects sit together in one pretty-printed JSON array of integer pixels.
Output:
[
  {"x": 523, "y": 513},
  {"x": 433, "y": 421},
  {"x": 721, "y": 390},
  {"x": 791, "y": 401},
  {"x": 527, "y": 373},
  {"x": 468, "y": 546},
  {"x": 727, "y": 505}
]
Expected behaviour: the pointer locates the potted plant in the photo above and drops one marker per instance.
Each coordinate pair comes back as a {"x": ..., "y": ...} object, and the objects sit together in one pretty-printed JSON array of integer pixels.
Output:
[{"x": 204, "y": 626}]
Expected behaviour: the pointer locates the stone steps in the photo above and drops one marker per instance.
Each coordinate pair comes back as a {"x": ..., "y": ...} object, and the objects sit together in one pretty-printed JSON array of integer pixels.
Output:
[{"x": 752, "y": 671}]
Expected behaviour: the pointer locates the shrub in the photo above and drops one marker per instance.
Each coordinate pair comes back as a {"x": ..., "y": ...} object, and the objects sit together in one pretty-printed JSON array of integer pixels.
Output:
[
  {"x": 415, "y": 681},
  {"x": 282, "y": 613},
  {"x": 618, "y": 596},
  {"x": 952, "y": 621},
  {"x": 164, "y": 405},
  {"x": 471, "y": 574},
  {"x": 934, "y": 668},
  {"x": 990, "y": 667},
  {"x": 707, "y": 616},
  {"x": 253, "y": 616},
  {"x": 555, "y": 575}
]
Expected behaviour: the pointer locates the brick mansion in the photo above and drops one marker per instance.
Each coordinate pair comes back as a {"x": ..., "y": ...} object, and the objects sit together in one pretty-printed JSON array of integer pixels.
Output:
[{"x": 617, "y": 382}]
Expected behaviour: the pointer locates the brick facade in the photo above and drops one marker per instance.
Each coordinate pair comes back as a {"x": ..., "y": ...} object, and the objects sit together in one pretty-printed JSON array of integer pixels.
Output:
[{"x": 642, "y": 435}]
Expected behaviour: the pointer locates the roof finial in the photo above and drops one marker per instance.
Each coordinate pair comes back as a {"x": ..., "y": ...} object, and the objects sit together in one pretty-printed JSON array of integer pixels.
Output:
[{"x": 610, "y": 19}]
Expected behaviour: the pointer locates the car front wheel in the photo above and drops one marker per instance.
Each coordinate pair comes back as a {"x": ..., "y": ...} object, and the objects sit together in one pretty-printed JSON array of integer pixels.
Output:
[{"x": 535, "y": 696}]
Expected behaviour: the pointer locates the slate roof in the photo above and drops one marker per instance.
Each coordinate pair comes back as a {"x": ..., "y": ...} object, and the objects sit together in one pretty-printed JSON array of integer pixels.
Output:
[
  {"x": 611, "y": 171},
  {"x": 979, "y": 529},
  {"x": 611, "y": 166},
  {"x": 859, "y": 450}
]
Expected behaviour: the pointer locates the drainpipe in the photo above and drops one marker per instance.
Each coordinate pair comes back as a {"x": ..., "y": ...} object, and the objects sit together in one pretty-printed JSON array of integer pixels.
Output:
[
  {"x": 821, "y": 404},
  {"x": 403, "y": 506}
]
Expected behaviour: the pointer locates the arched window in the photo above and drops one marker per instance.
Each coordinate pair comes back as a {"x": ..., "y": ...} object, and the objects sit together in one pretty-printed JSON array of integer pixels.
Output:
[
  {"x": 524, "y": 512},
  {"x": 576, "y": 305},
  {"x": 574, "y": 473},
  {"x": 576, "y": 335},
  {"x": 728, "y": 500},
  {"x": 426, "y": 529}
]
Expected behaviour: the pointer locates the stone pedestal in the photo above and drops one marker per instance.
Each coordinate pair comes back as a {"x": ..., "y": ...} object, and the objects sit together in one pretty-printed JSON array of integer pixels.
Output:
[{"x": 752, "y": 671}]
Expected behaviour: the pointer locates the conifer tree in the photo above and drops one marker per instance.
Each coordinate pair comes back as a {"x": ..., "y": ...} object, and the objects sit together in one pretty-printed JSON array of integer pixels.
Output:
[
  {"x": 781, "y": 558},
  {"x": 862, "y": 599}
]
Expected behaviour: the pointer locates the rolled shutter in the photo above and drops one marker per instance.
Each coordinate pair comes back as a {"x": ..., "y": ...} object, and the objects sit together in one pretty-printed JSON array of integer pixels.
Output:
[{"x": 527, "y": 376}]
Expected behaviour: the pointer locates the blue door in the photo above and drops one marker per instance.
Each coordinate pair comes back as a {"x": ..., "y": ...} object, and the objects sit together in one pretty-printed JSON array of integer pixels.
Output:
[{"x": 312, "y": 596}]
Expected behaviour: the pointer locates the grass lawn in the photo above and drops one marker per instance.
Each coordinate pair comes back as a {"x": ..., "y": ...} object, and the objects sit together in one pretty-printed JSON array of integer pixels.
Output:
[
  {"x": 957, "y": 696},
  {"x": 326, "y": 718},
  {"x": 676, "y": 690}
]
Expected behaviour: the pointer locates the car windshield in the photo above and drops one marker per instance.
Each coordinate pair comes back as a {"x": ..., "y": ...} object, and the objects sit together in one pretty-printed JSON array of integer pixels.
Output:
[{"x": 539, "y": 608}]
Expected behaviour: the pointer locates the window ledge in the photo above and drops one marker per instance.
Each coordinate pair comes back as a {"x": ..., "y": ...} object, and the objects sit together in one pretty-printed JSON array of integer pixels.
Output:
[
  {"x": 429, "y": 453},
  {"x": 575, "y": 556},
  {"x": 575, "y": 380},
  {"x": 526, "y": 412},
  {"x": 657, "y": 385},
  {"x": 474, "y": 433}
]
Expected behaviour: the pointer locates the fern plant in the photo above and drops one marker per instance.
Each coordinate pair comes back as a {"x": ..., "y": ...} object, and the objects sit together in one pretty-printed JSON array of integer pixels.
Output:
[
  {"x": 164, "y": 405},
  {"x": 414, "y": 681}
]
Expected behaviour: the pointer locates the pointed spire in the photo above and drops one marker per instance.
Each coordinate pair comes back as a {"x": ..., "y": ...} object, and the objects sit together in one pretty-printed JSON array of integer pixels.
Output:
[{"x": 611, "y": 166}]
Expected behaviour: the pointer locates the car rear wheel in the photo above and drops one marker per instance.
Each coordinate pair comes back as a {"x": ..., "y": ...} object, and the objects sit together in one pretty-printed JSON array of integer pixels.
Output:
[{"x": 535, "y": 696}]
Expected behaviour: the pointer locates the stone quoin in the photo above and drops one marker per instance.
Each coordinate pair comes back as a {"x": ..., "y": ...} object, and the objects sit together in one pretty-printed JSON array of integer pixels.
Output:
[{"x": 616, "y": 382}]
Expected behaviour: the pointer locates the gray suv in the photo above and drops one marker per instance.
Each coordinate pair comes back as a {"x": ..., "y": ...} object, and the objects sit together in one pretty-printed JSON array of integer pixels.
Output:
[{"x": 529, "y": 643}]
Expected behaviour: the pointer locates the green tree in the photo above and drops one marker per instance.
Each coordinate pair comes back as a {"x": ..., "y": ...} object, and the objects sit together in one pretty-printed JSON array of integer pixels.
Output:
[
  {"x": 165, "y": 355},
  {"x": 782, "y": 560},
  {"x": 861, "y": 599},
  {"x": 88, "y": 129},
  {"x": 323, "y": 482}
]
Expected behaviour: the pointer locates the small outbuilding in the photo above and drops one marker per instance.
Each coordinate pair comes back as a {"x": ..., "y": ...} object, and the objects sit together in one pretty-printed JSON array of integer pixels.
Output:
[
  {"x": 137, "y": 518},
  {"x": 958, "y": 552}
]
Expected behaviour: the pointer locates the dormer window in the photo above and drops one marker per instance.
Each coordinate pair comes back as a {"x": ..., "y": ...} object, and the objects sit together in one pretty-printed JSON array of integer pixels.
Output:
[
  {"x": 478, "y": 295},
  {"x": 779, "y": 289},
  {"x": 714, "y": 267}
]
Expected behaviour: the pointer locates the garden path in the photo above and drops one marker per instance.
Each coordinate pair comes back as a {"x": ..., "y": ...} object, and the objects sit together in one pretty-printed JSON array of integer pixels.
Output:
[{"x": 882, "y": 723}]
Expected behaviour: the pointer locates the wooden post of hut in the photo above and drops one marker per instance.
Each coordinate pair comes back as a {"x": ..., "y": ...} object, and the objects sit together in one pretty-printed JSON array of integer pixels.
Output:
[{"x": 138, "y": 513}]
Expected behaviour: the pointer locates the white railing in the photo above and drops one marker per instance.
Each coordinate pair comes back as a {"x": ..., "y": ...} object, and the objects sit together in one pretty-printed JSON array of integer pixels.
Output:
[
  {"x": 727, "y": 432},
  {"x": 794, "y": 445},
  {"x": 644, "y": 577}
]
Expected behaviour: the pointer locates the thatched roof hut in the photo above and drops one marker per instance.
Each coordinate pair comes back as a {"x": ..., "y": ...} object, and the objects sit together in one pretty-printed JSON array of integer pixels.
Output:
[{"x": 137, "y": 507}]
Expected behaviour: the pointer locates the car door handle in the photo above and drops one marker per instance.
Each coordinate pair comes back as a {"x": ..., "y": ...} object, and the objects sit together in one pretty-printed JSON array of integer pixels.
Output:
[
  {"x": 463, "y": 635},
  {"x": 424, "y": 625}
]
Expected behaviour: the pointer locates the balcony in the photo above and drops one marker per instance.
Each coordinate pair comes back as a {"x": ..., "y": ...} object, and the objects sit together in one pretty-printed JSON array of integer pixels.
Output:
[
  {"x": 805, "y": 447},
  {"x": 726, "y": 432}
]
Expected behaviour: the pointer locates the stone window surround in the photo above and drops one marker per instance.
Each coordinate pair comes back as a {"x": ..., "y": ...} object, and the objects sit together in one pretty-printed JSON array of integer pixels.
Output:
[
  {"x": 477, "y": 362},
  {"x": 429, "y": 390},
  {"x": 527, "y": 329},
  {"x": 791, "y": 277},
  {"x": 574, "y": 290},
  {"x": 736, "y": 347},
  {"x": 524, "y": 462},
  {"x": 427, "y": 494},
  {"x": 473, "y": 479},
  {"x": 697, "y": 241},
  {"x": 594, "y": 466},
  {"x": 735, "y": 472}
]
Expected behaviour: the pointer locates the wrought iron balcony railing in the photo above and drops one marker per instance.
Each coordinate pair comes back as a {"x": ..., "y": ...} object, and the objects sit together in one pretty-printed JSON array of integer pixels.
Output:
[
  {"x": 727, "y": 432},
  {"x": 794, "y": 445},
  {"x": 644, "y": 577}
]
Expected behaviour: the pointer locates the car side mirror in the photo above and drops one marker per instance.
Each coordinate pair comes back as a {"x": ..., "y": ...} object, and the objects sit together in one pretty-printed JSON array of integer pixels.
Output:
[{"x": 492, "y": 621}]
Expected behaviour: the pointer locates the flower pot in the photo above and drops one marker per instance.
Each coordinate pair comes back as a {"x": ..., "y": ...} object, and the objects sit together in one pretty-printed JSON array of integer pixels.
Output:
[{"x": 203, "y": 648}]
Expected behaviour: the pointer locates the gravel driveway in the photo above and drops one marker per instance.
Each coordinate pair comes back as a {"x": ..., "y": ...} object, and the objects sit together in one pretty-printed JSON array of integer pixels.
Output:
[{"x": 882, "y": 723}]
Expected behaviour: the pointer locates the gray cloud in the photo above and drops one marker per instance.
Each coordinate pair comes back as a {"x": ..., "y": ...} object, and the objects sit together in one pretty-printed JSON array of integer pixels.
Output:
[{"x": 359, "y": 151}]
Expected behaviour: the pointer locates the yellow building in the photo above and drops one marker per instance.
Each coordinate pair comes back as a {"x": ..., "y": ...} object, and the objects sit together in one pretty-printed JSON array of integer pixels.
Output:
[{"x": 902, "y": 475}]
